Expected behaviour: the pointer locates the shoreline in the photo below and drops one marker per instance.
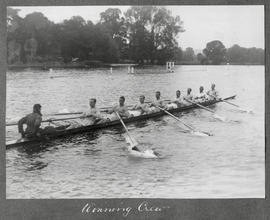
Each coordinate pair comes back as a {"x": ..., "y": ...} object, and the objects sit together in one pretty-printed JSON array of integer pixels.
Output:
[{"x": 44, "y": 66}]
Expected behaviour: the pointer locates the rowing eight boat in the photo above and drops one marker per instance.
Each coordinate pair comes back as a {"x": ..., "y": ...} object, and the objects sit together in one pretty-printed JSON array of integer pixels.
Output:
[{"x": 63, "y": 133}]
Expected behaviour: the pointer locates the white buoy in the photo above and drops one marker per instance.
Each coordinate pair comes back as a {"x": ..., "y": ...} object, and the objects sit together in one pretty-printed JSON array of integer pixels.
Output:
[
  {"x": 132, "y": 69},
  {"x": 111, "y": 69},
  {"x": 128, "y": 69}
]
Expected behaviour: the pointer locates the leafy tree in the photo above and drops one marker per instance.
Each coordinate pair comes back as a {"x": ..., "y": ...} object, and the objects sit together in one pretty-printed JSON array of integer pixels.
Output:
[
  {"x": 114, "y": 25},
  {"x": 15, "y": 36},
  {"x": 178, "y": 54},
  {"x": 188, "y": 54},
  {"x": 241, "y": 55},
  {"x": 111, "y": 19},
  {"x": 202, "y": 59},
  {"x": 215, "y": 52},
  {"x": 72, "y": 39},
  {"x": 152, "y": 32},
  {"x": 37, "y": 27}
]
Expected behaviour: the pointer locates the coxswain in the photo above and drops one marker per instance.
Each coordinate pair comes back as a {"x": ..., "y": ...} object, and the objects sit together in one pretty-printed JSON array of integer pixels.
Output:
[
  {"x": 212, "y": 94},
  {"x": 141, "y": 106},
  {"x": 33, "y": 122},
  {"x": 201, "y": 96}
]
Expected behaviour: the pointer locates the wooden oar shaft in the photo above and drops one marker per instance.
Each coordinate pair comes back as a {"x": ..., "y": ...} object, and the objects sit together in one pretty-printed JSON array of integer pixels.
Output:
[
  {"x": 207, "y": 109},
  {"x": 176, "y": 118},
  {"x": 124, "y": 126},
  {"x": 230, "y": 103},
  {"x": 103, "y": 108},
  {"x": 50, "y": 120},
  {"x": 69, "y": 113},
  {"x": 223, "y": 100}
]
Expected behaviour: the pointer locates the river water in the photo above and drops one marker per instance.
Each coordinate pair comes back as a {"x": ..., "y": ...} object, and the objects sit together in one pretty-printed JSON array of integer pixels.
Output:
[{"x": 229, "y": 164}]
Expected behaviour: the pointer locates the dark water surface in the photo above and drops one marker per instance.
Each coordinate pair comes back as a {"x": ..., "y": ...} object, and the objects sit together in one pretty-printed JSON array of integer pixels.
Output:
[{"x": 229, "y": 164}]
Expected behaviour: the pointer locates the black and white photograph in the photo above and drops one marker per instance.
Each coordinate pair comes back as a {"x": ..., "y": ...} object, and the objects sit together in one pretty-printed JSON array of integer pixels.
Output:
[{"x": 143, "y": 101}]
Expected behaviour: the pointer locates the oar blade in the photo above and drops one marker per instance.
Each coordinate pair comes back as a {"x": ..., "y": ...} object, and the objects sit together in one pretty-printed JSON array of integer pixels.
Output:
[
  {"x": 201, "y": 134},
  {"x": 131, "y": 141},
  {"x": 221, "y": 118},
  {"x": 246, "y": 111}
]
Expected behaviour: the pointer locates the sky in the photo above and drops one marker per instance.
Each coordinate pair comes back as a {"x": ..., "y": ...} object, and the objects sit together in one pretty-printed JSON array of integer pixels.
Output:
[{"x": 242, "y": 25}]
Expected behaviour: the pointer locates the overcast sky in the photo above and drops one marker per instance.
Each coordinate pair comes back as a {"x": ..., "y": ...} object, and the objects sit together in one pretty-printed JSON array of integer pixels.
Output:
[{"x": 243, "y": 25}]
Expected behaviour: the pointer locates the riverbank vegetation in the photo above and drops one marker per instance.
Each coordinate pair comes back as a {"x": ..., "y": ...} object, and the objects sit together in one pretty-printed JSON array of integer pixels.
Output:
[{"x": 142, "y": 35}]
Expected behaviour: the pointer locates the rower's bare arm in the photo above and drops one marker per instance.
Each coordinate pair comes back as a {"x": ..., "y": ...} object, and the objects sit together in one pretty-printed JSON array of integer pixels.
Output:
[
  {"x": 21, "y": 122},
  {"x": 134, "y": 107}
]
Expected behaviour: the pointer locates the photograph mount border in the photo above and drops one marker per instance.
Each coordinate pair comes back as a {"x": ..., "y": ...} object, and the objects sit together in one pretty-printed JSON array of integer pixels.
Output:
[{"x": 179, "y": 208}]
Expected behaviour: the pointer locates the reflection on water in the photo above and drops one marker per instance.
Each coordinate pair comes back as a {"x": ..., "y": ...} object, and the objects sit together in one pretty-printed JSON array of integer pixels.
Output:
[{"x": 97, "y": 164}]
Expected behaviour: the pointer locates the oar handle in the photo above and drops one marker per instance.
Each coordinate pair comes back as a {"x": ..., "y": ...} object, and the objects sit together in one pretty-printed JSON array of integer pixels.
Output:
[
  {"x": 176, "y": 118},
  {"x": 207, "y": 109}
]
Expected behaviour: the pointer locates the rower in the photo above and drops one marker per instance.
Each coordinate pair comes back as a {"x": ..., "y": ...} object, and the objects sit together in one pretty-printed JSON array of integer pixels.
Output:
[
  {"x": 93, "y": 115},
  {"x": 121, "y": 109},
  {"x": 201, "y": 96},
  {"x": 176, "y": 103},
  {"x": 178, "y": 100},
  {"x": 212, "y": 94},
  {"x": 142, "y": 106},
  {"x": 90, "y": 117},
  {"x": 33, "y": 122},
  {"x": 189, "y": 96},
  {"x": 158, "y": 102}
]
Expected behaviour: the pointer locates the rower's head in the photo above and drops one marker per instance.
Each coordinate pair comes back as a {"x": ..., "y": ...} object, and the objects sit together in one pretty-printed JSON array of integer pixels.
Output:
[
  {"x": 92, "y": 102},
  {"x": 213, "y": 86},
  {"x": 178, "y": 93},
  {"x": 201, "y": 88},
  {"x": 157, "y": 94},
  {"x": 142, "y": 98},
  {"x": 121, "y": 100},
  {"x": 37, "y": 108},
  {"x": 189, "y": 91}
]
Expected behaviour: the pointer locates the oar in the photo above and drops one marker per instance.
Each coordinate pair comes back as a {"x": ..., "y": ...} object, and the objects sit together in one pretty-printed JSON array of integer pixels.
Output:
[
  {"x": 207, "y": 109},
  {"x": 51, "y": 120},
  {"x": 103, "y": 109},
  {"x": 133, "y": 141},
  {"x": 230, "y": 103},
  {"x": 200, "y": 133}
]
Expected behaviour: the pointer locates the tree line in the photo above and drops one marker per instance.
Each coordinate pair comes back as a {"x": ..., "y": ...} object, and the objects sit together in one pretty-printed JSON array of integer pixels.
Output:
[
  {"x": 144, "y": 35},
  {"x": 215, "y": 53}
]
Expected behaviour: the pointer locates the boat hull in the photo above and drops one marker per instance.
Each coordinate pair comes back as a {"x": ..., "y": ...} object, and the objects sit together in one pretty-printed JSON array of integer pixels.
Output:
[{"x": 108, "y": 124}]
